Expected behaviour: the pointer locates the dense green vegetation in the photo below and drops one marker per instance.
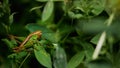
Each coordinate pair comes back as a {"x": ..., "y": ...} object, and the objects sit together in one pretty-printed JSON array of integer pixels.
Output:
[{"x": 75, "y": 33}]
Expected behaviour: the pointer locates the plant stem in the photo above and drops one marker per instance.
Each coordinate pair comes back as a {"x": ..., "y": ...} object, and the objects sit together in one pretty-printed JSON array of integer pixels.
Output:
[
  {"x": 99, "y": 45},
  {"x": 102, "y": 37},
  {"x": 24, "y": 60}
]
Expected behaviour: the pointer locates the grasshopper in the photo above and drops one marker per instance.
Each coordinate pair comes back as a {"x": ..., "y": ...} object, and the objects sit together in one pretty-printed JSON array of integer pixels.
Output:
[{"x": 29, "y": 41}]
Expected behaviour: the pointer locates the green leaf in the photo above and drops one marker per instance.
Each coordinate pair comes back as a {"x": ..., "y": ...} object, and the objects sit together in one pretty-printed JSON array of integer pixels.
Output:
[
  {"x": 74, "y": 16},
  {"x": 20, "y": 38},
  {"x": 18, "y": 55},
  {"x": 11, "y": 18},
  {"x": 46, "y": 33},
  {"x": 100, "y": 63},
  {"x": 98, "y": 6},
  {"x": 59, "y": 57},
  {"x": 88, "y": 48},
  {"x": 76, "y": 60},
  {"x": 34, "y": 8},
  {"x": 48, "y": 11},
  {"x": 42, "y": 56},
  {"x": 94, "y": 25},
  {"x": 71, "y": 14},
  {"x": 95, "y": 39},
  {"x": 9, "y": 43}
]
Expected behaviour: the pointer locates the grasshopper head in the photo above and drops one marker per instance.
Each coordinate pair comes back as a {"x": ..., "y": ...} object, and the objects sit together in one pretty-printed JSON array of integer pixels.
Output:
[{"x": 38, "y": 33}]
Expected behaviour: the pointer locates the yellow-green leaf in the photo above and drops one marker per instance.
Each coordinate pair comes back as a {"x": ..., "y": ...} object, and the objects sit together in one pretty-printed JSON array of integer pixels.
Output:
[
  {"x": 76, "y": 60},
  {"x": 42, "y": 56},
  {"x": 59, "y": 57},
  {"x": 48, "y": 10}
]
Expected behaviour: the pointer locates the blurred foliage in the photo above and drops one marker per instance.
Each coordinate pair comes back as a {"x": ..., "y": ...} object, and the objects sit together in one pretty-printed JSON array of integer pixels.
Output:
[{"x": 71, "y": 32}]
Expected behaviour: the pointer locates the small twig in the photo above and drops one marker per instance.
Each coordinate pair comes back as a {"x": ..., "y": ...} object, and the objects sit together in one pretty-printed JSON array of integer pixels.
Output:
[
  {"x": 24, "y": 60},
  {"x": 102, "y": 37},
  {"x": 99, "y": 45},
  {"x": 14, "y": 38}
]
